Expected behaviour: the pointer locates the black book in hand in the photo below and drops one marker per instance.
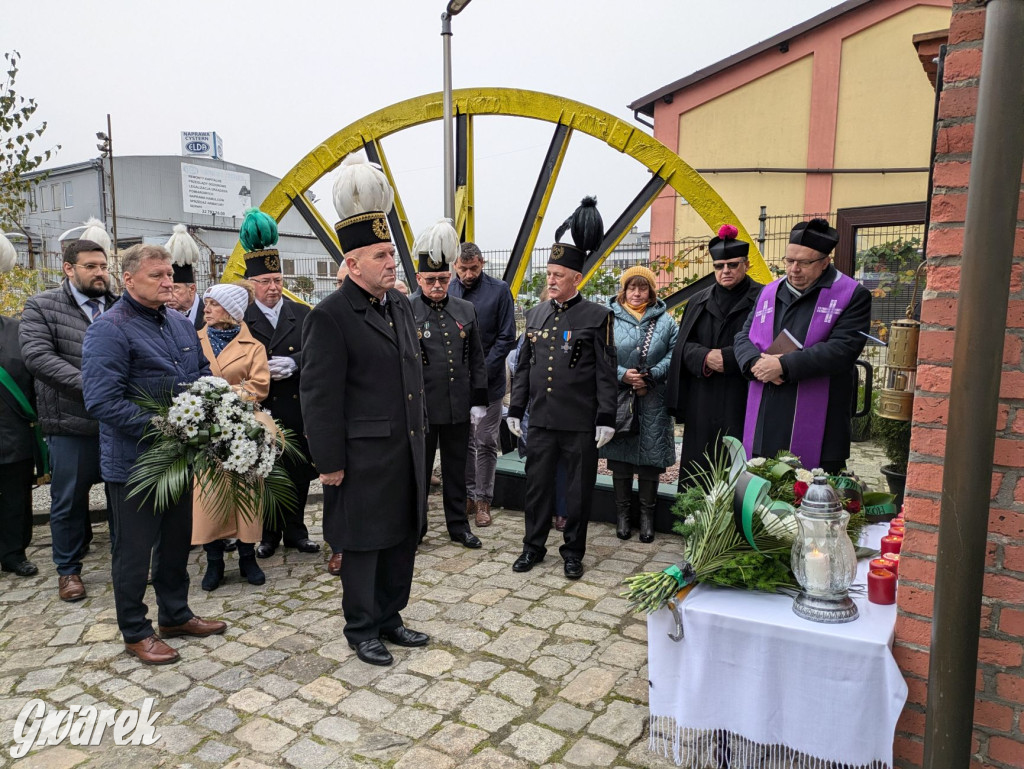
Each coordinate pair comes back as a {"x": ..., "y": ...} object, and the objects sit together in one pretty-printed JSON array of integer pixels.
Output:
[{"x": 783, "y": 343}]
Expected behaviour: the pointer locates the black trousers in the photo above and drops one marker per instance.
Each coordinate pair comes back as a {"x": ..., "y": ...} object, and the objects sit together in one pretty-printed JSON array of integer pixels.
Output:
[
  {"x": 16, "y": 482},
  {"x": 375, "y": 588},
  {"x": 138, "y": 532},
  {"x": 293, "y": 527},
  {"x": 454, "y": 443},
  {"x": 578, "y": 451}
]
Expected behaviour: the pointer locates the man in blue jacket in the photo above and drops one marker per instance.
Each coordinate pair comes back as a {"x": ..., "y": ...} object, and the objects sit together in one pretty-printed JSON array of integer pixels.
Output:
[
  {"x": 495, "y": 313},
  {"x": 141, "y": 346}
]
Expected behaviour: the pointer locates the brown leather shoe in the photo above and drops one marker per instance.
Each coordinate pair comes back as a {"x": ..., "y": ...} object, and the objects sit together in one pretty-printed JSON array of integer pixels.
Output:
[
  {"x": 334, "y": 565},
  {"x": 152, "y": 651},
  {"x": 197, "y": 626},
  {"x": 470, "y": 509},
  {"x": 70, "y": 588},
  {"x": 560, "y": 522},
  {"x": 483, "y": 512}
]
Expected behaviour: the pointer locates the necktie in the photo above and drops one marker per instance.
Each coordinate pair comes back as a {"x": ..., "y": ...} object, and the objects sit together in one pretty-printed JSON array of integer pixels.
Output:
[{"x": 94, "y": 308}]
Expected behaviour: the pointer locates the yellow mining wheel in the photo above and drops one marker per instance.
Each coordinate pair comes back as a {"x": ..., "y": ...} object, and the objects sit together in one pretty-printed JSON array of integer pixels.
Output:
[{"x": 568, "y": 116}]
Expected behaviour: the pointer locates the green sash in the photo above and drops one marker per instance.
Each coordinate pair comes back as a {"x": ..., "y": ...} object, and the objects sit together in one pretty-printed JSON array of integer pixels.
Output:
[{"x": 42, "y": 457}]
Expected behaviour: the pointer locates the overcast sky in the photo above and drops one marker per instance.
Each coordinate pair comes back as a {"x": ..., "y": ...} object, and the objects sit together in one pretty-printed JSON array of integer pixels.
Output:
[{"x": 276, "y": 79}]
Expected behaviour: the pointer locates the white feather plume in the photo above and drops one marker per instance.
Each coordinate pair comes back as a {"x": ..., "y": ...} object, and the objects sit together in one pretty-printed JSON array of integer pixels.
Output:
[
  {"x": 439, "y": 240},
  {"x": 8, "y": 256},
  {"x": 360, "y": 187},
  {"x": 97, "y": 233},
  {"x": 182, "y": 246}
]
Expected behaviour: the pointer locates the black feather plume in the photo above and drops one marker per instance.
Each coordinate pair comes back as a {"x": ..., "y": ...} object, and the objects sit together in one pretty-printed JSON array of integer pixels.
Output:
[
  {"x": 818, "y": 225},
  {"x": 585, "y": 224},
  {"x": 563, "y": 227}
]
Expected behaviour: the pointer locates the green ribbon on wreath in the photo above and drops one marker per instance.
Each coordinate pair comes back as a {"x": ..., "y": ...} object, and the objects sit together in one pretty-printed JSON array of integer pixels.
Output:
[{"x": 879, "y": 504}]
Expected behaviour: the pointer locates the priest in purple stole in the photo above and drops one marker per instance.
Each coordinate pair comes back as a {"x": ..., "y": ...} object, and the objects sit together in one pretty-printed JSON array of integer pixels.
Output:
[{"x": 801, "y": 400}]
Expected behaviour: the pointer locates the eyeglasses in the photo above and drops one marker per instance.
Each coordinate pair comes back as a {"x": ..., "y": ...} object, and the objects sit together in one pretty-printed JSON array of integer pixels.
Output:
[
  {"x": 93, "y": 267},
  {"x": 802, "y": 262},
  {"x": 267, "y": 281},
  {"x": 719, "y": 266},
  {"x": 439, "y": 279}
]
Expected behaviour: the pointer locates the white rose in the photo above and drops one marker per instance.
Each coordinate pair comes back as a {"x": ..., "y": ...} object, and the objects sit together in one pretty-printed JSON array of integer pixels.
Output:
[
  {"x": 756, "y": 462},
  {"x": 804, "y": 475}
]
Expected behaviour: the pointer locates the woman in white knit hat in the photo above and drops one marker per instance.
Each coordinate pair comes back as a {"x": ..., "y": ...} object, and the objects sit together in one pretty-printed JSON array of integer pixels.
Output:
[{"x": 240, "y": 359}]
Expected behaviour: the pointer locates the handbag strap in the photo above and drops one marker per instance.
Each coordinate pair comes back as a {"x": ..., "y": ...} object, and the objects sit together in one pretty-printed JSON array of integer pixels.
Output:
[
  {"x": 29, "y": 414},
  {"x": 646, "y": 346}
]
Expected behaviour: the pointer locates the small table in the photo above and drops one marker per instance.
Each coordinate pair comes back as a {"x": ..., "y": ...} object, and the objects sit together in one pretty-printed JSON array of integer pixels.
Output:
[{"x": 751, "y": 683}]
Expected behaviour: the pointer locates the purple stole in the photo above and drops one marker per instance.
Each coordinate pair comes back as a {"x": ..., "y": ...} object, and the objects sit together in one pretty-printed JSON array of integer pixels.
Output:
[{"x": 808, "y": 429}]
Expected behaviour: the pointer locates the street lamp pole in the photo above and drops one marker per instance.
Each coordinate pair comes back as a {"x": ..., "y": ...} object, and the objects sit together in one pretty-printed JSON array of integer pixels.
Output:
[
  {"x": 107, "y": 148},
  {"x": 454, "y": 8}
]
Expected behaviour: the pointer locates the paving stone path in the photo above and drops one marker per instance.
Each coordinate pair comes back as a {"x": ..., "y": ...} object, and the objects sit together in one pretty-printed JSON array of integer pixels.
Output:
[{"x": 523, "y": 669}]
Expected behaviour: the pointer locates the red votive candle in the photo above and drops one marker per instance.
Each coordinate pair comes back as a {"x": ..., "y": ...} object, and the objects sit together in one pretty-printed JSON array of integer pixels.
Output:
[
  {"x": 891, "y": 544},
  {"x": 896, "y": 530},
  {"x": 879, "y": 563},
  {"x": 893, "y": 561},
  {"x": 881, "y": 586}
]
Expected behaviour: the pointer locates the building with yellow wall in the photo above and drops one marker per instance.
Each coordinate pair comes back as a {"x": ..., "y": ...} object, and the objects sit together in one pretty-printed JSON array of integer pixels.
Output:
[{"x": 833, "y": 113}]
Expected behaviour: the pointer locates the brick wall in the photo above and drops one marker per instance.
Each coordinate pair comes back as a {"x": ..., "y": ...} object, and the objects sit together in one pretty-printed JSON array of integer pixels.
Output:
[{"x": 999, "y": 709}]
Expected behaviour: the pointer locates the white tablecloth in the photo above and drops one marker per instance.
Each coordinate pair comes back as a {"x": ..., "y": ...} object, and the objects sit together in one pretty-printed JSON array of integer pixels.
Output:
[{"x": 750, "y": 667}]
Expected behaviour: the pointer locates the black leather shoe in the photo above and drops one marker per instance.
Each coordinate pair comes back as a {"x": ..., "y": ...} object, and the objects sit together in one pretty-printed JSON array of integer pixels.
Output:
[
  {"x": 265, "y": 550},
  {"x": 306, "y": 546},
  {"x": 573, "y": 568},
  {"x": 402, "y": 636},
  {"x": 29, "y": 569},
  {"x": 468, "y": 539},
  {"x": 373, "y": 652},
  {"x": 526, "y": 561}
]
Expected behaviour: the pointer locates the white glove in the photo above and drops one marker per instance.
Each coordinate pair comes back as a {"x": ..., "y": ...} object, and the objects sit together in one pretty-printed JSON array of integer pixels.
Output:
[
  {"x": 603, "y": 435},
  {"x": 514, "y": 427},
  {"x": 476, "y": 413},
  {"x": 281, "y": 367}
]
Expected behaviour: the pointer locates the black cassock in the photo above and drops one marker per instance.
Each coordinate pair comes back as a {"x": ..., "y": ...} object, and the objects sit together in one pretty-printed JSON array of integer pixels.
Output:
[
  {"x": 708, "y": 403},
  {"x": 834, "y": 357}
]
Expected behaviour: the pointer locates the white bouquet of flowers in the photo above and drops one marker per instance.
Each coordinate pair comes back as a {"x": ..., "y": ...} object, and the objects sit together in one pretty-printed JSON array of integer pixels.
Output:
[{"x": 224, "y": 440}]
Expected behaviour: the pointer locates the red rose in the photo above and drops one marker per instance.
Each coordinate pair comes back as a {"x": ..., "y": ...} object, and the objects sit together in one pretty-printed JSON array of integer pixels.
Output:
[
  {"x": 799, "y": 489},
  {"x": 853, "y": 505}
]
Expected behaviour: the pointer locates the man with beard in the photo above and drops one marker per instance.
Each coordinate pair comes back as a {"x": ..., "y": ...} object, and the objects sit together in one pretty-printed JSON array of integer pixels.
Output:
[
  {"x": 801, "y": 396},
  {"x": 185, "y": 298},
  {"x": 706, "y": 391},
  {"x": 277, "y": 323},
  {"x": 453, "y": 371},
  {"x": 53, "y": 327},
  {"x": 495, "y": 312},
  {"x": 365, "y": 416}
]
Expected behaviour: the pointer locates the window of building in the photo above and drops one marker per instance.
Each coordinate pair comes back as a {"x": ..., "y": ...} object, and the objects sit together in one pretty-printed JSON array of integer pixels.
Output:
[
  {"x": 323, "y": 269},
  {"x": 69, "y": 195},
  {"x": 30, "y": 198},
  {"x": 288, "y": 266},
  {"x": 44, "y": 199},
  {"x": 55, "y": 193}
]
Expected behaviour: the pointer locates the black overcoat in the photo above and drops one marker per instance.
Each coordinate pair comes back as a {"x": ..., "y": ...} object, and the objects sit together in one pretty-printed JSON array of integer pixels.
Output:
[
  {"x": 712, "y": 405},
  {"x": 362, "y": 399},
  {"x": 568, "y": 383},
  {"x": 454, "y": 374},
  {"x": 283, "y": 341},
  {"x": 834, "y": 357}
]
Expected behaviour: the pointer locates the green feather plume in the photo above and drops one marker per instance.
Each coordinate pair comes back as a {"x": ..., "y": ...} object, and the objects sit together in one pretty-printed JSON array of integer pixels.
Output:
[{"x": 258, "y": 232}]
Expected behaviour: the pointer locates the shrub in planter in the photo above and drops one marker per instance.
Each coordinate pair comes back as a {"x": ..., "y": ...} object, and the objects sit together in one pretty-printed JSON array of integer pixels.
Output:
[{"x": 894, "y": 437}]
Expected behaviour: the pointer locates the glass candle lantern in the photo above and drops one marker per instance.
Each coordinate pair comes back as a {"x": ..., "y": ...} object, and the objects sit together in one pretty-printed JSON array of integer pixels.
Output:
[{"x": 824, "y": 559}]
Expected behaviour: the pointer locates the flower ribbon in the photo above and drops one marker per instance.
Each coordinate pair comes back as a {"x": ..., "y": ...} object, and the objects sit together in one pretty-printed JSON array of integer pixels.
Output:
[
  {"x": 751, "y": 493},
  {"x": 683, "y": 576},
  {"x": 878, "y": 504}
]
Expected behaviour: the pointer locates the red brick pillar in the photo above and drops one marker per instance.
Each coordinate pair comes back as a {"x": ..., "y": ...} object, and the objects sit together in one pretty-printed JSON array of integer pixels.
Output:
[{"x": 999, "y": 709}]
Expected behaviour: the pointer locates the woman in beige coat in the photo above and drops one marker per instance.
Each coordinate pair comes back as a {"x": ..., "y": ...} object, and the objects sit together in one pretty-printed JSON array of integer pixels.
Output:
[{"x": 241, "y": 360}]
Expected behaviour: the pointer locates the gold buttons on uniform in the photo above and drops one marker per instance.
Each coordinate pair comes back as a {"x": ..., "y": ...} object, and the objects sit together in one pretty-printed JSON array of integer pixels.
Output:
[
  {"x": 410, "y": 396},
  {"x": 291, "y": 349}
]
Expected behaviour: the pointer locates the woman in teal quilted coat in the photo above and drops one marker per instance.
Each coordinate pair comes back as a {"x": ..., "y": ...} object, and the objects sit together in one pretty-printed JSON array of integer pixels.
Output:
[{"x": 647, "y": 452}]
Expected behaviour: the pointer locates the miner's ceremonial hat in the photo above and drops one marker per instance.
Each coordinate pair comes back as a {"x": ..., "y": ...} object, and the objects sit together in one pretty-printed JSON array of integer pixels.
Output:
[
  {"x": 587, "y": 230},
  {"x": 184, "y": 253},
  {"x": 363, "y": 198},
  {"x": 259, "y": 236},
  {"x": 436, "y": 247},
  {"x": 726, "y": 245}
]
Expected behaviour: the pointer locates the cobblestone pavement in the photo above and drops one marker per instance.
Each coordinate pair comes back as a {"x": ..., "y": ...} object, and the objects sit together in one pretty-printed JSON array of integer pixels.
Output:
[{"x": 523, "y": 669}]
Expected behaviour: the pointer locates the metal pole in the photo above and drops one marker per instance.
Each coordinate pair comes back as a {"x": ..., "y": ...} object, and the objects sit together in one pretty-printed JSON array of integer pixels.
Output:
[
  {"x": 113, "y": 195},
  {"x": 992, "y": 198},
  {"x": 449, "y": 133},
  {"x": 761, "y": 220}
]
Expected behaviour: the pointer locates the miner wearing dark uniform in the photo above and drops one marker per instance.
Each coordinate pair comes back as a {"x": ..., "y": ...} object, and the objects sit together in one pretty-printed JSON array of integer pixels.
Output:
[
  {"x": 365, "y": 416},
  {"x": 276, "y": 322},
  {"x": 566, "y": 375},
  {"x": 454, "y": 374}
]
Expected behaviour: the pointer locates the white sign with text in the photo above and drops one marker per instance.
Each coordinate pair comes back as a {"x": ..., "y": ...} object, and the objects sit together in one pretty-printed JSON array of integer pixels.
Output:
[{"x": 214, "y": 191}]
